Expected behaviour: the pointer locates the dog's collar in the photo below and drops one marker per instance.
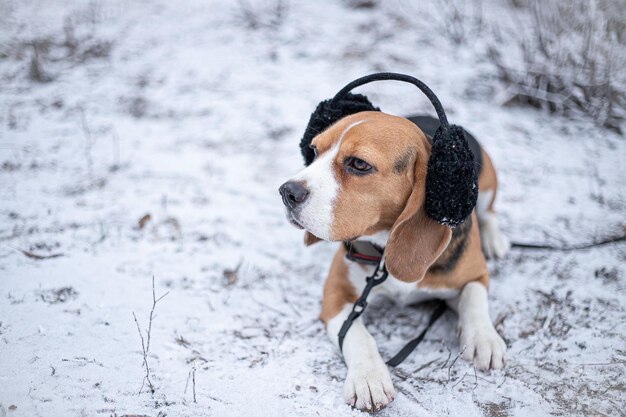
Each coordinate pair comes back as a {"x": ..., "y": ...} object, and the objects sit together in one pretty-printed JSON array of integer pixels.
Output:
[{"x": 363, "y": 252}]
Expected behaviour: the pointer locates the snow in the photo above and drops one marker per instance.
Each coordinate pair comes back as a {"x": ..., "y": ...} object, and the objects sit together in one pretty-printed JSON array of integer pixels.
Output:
[{"x": 194, "y": 117}]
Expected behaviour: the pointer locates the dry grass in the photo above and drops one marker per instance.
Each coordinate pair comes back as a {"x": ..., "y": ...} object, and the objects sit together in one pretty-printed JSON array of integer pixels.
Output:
[{"x": 571, "y": 59}]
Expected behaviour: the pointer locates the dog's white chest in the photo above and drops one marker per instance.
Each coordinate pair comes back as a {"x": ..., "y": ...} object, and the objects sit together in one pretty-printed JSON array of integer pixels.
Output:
[{"x": 403, "y": 293}]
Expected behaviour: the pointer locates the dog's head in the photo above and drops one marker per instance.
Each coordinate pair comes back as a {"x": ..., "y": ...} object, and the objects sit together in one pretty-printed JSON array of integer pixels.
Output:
[
  {"x": 368, "y": 171},
  {"x": 369, "y": 175}
]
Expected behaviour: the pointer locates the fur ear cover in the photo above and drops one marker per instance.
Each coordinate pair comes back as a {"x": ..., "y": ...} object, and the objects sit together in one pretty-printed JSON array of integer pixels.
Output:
[
  {"x": 326, "y": 114},
  {"x": 451, "y": 180}
]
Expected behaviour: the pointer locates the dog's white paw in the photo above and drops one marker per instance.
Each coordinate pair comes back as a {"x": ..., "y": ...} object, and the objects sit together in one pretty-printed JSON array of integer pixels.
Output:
[
  {"x": 483, "y": 345},
  {"x": 493, "y": 241},
  {"x": 368, "y": 386}
]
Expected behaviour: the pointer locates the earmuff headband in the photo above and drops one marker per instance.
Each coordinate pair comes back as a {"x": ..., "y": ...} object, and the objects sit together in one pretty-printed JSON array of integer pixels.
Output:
[{"x": 393, "y": 76}]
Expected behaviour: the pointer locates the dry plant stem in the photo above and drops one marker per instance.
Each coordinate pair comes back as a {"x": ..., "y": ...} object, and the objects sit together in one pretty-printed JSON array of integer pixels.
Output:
[
  {"x": 193, "y": 380},
  {"x": 192, "y": 375},
  {"x": 154, "y": 303},
  {"x": 146, "y": 377},
  {"x": 145, "y": 343},
  {"x": 454, "y": 361},
  {"x": 460, "y": 380}
]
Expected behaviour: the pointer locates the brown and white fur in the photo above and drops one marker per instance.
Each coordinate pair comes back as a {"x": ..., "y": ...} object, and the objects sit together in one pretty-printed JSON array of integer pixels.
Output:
[{"x": 386, "y": 206}]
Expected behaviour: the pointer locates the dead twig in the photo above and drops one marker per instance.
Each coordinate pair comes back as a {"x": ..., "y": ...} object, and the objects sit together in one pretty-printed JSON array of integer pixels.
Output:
[
  {"x": 192, "y": 376},
  {"x": 460, "y": 380},
  {"x": 193, "y": 379},
  {"x": 454, "y": 361},
  {"x": 146, "y": 377},
  {"x": 154, "y": 303},
  {"x": 180, "y": 340},
  {"x": 408, "y": 393},
  {"x": 424, "y": 366},
  {"x": 37, "y": 257},
  {"x": 145, "y": 343},
  {"x": 503, "y": 381}
]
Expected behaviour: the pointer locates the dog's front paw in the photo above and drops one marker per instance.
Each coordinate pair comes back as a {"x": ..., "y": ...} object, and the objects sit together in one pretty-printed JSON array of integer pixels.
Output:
[
  {"x": 368, "y": 386},
  {"x": 483, "y": 345},
  {"x": 494, "y": 243}
]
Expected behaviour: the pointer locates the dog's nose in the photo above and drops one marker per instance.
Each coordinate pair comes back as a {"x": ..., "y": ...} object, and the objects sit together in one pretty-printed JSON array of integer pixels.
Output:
[{"x": 293, "y": 193}]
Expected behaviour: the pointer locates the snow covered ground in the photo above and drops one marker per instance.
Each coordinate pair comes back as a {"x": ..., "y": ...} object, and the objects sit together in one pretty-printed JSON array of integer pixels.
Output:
[{"x": 191, "y": 113}]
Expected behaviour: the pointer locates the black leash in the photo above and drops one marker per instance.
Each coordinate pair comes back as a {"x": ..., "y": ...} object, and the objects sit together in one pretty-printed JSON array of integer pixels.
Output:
[
  {"x": 410, "y": 347},
  {"x": 615, "y": 239},
  {"x": 378, "y": 277}
]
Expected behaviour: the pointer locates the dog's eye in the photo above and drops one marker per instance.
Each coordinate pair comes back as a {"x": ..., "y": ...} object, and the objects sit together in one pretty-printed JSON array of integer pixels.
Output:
[
  {"x": 314, "y": 148},
  {"x": 358, "y": 166}
]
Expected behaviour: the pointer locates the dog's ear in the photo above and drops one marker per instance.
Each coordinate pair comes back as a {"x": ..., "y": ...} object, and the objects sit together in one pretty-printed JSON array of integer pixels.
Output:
[
  {"x": 310, "y": 238},
  {"x": 416, "y": 240}
]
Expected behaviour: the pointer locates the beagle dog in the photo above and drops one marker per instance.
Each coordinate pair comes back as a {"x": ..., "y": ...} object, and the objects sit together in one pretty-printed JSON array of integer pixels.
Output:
[{"x": 367, "y": 181}]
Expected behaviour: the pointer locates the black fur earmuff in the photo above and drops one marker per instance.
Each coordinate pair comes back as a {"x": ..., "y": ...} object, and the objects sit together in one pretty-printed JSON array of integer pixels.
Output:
[{"x": 451, "y": 180}]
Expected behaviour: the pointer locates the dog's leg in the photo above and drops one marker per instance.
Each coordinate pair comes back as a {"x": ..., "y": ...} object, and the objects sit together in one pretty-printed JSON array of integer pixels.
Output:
[
  {"x": 478, "y": 339},
  {"x": 368, "y": 384},
  {"x": 493, "y": 241}
]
